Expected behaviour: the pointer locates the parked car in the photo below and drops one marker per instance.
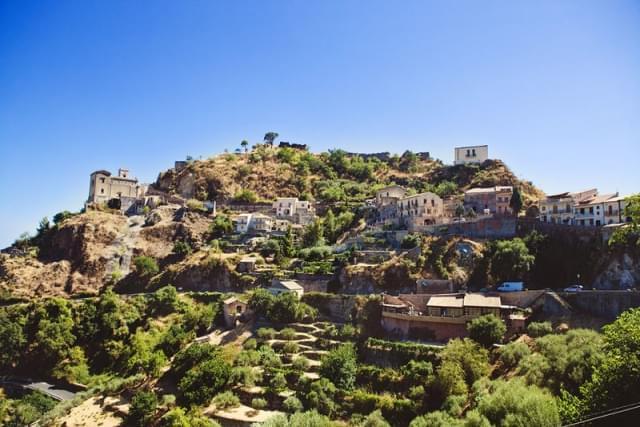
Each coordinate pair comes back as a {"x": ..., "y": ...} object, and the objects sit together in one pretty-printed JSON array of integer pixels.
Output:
[
  {"x": 511, "y": 287},
  {"x": 574, "y": 288}
]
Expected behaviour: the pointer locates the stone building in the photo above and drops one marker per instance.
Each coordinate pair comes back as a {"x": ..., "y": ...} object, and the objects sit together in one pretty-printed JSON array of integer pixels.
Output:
[
  {"x": 105, "y": 188},
  {"x": 394, "y": 207},
  {"x": 471, "y": 154},
  {"x": 489, "y": 200},
  {"x": 442, "y": 317}
]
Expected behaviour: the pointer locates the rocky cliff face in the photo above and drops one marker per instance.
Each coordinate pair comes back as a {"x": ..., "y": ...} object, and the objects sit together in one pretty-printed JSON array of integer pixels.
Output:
[
  {"x": 621, "y": 272},
  {"x": 86, "y": 251}
]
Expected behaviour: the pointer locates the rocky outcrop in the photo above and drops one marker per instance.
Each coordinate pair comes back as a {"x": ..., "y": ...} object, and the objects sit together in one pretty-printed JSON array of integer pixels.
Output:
[
  {"x": 622, "y": 272},
  {"x": 92, "y": 249},
  {"x": 205, "y": 271}
]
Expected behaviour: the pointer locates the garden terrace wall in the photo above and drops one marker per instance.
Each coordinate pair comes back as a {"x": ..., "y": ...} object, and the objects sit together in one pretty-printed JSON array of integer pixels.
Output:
[{"x": 337, "y": 308}]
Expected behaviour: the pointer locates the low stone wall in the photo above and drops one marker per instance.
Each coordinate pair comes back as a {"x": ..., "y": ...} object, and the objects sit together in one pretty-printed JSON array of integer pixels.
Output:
[
  {"x": 335, "y": 307},
  {"x": 420, "y": 327},
  {"x": 605, "y": 304},
  {"x": 313, "y": 283},
  {"x": 521, "y": 299},
  {"x": 489, "y": 228}
]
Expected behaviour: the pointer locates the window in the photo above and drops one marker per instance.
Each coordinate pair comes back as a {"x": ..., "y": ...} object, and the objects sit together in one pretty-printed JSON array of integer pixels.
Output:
[
  {"x": 591, "y": 210},
  {"x": 102, "y": 180},
  {"x": 433, "y": 203},
  {"x": 473, "y": 152},
  {"x": 591, "y": 221},
  {"x": 610, "y": 210},
  {"x": 102, "y": 191},
  {"x": 567, "y": 209},
  {"x": 468, "y": 153},
  {"x": 582, "y": 213}
]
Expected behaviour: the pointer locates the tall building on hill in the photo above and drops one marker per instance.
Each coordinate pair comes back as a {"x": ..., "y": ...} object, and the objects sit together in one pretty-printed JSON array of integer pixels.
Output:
[
  {"x": 471, "y": 154},
  {"x": 104, "y": 187}
]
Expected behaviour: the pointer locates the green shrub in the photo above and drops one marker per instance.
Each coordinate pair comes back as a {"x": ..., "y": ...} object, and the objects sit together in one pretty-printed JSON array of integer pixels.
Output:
[
  {"x": 539, "y": 329},
  {"x": 300, "y": 363},
  {"x": 340, "y": 366},
  {"x": 245, "y": 375},
  {"x": 288, "y": 334},
  {"x": 181, "y": 248},
  {"x": 487, "y": 330},
  {"x": 195, "y": 205},
  {"x": 266, "y": 333},
  {"x": 258, "y": 403},
  {"x": 290, "y": 347},
  {"x": 292, "y": 404},
  {"x": 225, "y": 400},
  {"x": 250, "y": 344},
  {"x": 146, "y": 266},
  {"x": 512, "y": 353},
  {"x": 143, "y": 408},
  {"x": 245, "y": 196},
  {"x": 278, "y": 382},
  {"x": 248, "y": 358}
]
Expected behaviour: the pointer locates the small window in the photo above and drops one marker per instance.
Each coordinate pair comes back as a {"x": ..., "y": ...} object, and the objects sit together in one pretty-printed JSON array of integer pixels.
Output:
[
  {"x": 102, "y": 191},
  {"x": 473, "y": 152}
]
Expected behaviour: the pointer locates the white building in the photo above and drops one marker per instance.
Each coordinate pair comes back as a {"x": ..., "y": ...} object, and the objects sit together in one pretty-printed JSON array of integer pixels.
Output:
[
  {"x": 471, "y": 154},
  {"x": 283, "y": 286},
  {"x": 558, "y": 208},
  {"x": 295, "y": 210},
  {"x": 586, "y": 208},
  {"x": 253, "y": 222}
]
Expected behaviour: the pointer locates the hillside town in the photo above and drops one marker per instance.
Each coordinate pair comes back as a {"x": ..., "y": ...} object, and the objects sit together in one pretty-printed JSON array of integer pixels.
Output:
[{"x": 371, "y": 265}]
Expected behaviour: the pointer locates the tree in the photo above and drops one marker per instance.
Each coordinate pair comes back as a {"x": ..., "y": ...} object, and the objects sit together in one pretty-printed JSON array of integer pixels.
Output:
[
  {"x": 286, "y": 308},
  {"x": 313, "y": 234},
  {"x": 204, "y": 380},
  {"x": 487, "y": 330},
  {"x": 53, "y": 325},
  {"x": 60, "y": 217},
  {"x": 435, "y": 419},
  {"x": 511, "y": 260},
  {"x": 616, "y": 380},
  {"x": 516, "y": 201},
  {"x": 340, "y": 366},
  {"x": 143, "y": 408},
  {"x": 270, "y": 137},
  {"x": 512, "y": 403},
  {"x": 245, "y": 144},
  {"x": 539, "y": 329},
  {"x": 330, "y": 226},
  {"x": 220, "y": 226},
  {"x": 165, "y": 300},
  {"x": 469, "y": 356},
  {"x": 629, "y": 235},
  {"x": 292, "y": 404},
  {"x": 12, "y": 337},
  {"x": 261, "y": 301}
]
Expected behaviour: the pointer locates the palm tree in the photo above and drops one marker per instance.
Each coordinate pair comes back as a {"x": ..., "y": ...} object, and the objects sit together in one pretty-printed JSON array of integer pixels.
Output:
[{"x": 244, "y": 144}]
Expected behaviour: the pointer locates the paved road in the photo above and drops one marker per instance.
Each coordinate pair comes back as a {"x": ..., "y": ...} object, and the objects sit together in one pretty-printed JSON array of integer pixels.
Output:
[{"x": 43, "y": 387}]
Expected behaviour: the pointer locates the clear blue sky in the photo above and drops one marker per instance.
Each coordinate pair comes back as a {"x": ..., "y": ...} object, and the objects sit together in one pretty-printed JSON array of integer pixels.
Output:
[{"x": 552, "y": 86}]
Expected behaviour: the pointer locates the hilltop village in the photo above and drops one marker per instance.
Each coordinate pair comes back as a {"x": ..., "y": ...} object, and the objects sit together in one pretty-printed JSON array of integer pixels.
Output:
[{"x": 355, "y": 289}]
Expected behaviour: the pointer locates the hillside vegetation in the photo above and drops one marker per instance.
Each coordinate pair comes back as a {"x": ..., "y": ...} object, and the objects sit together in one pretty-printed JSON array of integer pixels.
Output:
[{"x": 267, "y": 172}]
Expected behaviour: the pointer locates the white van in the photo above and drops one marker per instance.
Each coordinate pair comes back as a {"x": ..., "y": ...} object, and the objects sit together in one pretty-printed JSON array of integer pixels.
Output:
[{"x": 511, "y": 287}]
